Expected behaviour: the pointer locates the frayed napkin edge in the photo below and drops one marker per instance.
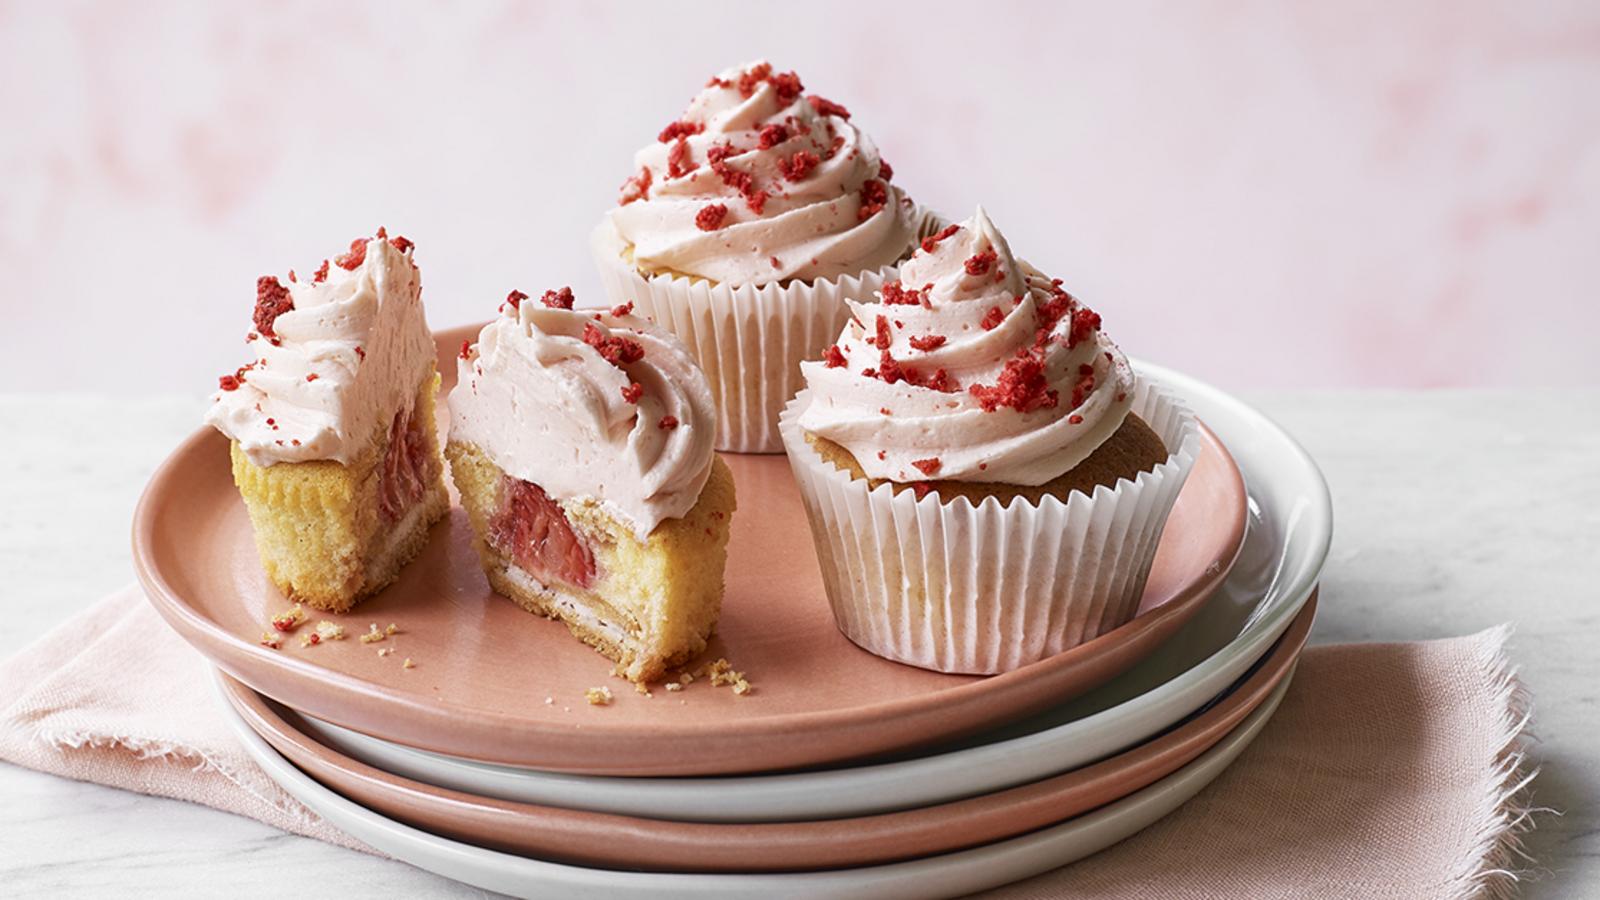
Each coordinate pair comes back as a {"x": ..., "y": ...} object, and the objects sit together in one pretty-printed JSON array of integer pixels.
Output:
[{"x": 1497, "y": 862}]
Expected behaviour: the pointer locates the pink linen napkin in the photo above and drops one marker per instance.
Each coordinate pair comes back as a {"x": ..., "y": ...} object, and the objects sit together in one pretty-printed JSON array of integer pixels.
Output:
[{"x": 1390, "y": 770}]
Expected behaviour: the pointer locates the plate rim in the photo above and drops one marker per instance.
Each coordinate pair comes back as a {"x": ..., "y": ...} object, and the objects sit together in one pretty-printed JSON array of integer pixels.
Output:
[
  {"x": 795, "y": 845},
  {"x": 951, "y": 874},
  {"x": 232, "y": 652},
  {"x": 800, "y": 792}
]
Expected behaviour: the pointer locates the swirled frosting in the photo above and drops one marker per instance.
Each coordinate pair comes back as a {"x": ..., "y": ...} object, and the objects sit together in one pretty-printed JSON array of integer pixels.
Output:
[
  {"x": 973, "y": 367},
  {"x": 588, "y": 403},
  {"x": 760, "y": 183},
  {"x": 336, "y": 356}
]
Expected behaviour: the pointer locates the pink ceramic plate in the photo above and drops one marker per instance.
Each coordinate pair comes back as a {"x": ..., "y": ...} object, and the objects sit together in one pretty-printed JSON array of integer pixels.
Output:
[
  {"x": 492, "y": 682},
  {"x": 611, "y": 841}
]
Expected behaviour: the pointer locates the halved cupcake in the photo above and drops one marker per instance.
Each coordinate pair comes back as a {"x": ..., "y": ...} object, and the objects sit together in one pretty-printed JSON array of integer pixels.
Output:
[
  {"x": 332, "y": 427},
  {"x": 745, "y": 227},
  {"x": 985, "y": 475},
  {"x": 581, "y": 444}
]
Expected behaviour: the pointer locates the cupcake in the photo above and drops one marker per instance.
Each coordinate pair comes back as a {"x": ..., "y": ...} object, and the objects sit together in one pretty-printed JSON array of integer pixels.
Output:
[
  {"x": 331, "y": 427},
  {"x": 743, "y": 230},
  {"x": 985, "y": 475},
  {"x": 581, "y": 444}
]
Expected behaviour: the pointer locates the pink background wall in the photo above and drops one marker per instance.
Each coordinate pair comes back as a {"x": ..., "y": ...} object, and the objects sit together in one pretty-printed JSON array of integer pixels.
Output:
[{"x": 1350, "y": 194}]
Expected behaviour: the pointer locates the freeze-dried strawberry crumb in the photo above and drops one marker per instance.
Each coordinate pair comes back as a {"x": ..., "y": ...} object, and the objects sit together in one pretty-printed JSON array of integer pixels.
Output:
[
  {"x": 514, "y": 300},
  {"x": 931, "y": 242},
  {"x": 757, "y": 201},
  {"x": 979, "y": 264},
  {"x": 667, "y": 423},
  {"x": 773, "y": 135},
  {"x": 717, "y": 153},
  {"x": 352, "y": 260},
  {"x": 774, "y": 262},
  {"x": 1022, "y": 386},
  {"x": 797, "y": 167},
  {"x": 992, "y": 318},
  {"x": 833, "y": 147},
  {"x": 888, "y": 367},
  {"x": 679, "y": 161},
  {"x": 679, "y": 129},
  {"x": 895, "y": 293},
  {"x": 614, "y": 349},
  {"x": 926, "y": 342},
  {"x": 710, "y": 216},
  {"x": 637, "y": 187},
  {"x": 885, "y": 171},
  {"x": 321, "y": 274},
  {"x": 272, "y": 301},
  {"x": 361, "y": 354},
  {"x": 1074, "y": 419},
  {"x": 633, "y": 392},
  {"x": 749, "y": 79},
  {"x": 827, "y": 107},
  {"x": 466, "y": 350},
  {"x": 786, "y": 85},
  {"x": 383, "y": 233},
  {"x": 402, "y": 243},
  {"x": 1085, "y": 322},
  {"x": 927, "y": 466},
  {"x": 939, "y": 381},
  {"x": 832, "y": 357},
  {"x": 311, "y": 376},
  {"x": 292, "y": 278},
  {"x": 232, "y": 382},
  {"x": 874, "y": 194},
  {"x": 1083, "y": 387},
  {"x": 625, "y": 309},
  {"x": 561, "y": 298}
]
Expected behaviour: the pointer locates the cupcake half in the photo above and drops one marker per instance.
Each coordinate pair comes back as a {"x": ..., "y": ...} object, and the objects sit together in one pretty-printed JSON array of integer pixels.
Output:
[
  {"x": 745, "y": 227},
  {"x": 581, "y": 444},
  {"x": 333, "y": 439},
  {"x": 985, "y": 475}
]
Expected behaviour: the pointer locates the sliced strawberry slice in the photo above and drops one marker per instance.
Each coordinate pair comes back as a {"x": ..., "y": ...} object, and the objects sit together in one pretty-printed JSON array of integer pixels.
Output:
[
  {"x": 532, "y": 529},
  {"x": 406, "y": 467}
]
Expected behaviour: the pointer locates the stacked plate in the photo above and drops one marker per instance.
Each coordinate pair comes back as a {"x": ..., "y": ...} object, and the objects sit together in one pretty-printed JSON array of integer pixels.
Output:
[{"x": 464, "y": 743}]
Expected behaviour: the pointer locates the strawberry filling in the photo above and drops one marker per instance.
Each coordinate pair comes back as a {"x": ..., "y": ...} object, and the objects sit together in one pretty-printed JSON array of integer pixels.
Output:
[
  {"x": 531, "y": 529},
  {"x": 407, "y": 469}
]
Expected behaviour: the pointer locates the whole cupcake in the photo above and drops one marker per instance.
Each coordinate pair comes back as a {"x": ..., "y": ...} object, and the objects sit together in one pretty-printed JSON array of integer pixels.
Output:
[
  {"x": 985, "y": 475},
  {"x": 743, "y": 230}
]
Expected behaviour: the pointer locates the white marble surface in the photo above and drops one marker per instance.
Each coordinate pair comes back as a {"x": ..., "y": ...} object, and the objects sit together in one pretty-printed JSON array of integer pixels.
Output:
[{"x": 1456, "y": 511}]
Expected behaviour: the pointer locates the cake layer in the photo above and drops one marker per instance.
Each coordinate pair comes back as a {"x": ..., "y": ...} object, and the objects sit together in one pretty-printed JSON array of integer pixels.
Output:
[
  {"x": 648, "y": 605},
  {"x": 330, "y": 533}
]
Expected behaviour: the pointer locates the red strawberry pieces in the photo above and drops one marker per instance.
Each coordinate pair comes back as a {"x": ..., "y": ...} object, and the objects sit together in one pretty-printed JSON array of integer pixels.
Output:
[{"x": 531, "y": 528}]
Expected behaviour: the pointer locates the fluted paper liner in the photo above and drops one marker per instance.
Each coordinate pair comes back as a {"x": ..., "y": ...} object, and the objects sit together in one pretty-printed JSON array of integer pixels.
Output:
[
  {"x": 958, "y": 587},
  {"x": 749, "y": 339}
]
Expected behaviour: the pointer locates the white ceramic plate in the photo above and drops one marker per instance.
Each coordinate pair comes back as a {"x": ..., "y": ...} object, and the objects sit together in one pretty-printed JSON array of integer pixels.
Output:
[
  {"x": 1285, "y": 546},
  {"x": 948, "y": 875}
]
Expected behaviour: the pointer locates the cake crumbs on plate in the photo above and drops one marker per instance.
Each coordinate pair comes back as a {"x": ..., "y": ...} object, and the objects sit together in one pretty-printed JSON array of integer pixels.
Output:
[
  {"x": 549, "y": 701},
  {"x": 271, "y": 641},
  {"x": 408, "y": 664},
  {"x": 674, "y": 685},
  {"x": 723, "y": 673},
  {"x": 598, "y": 696},
  {"x": 289, "y": 619},
  {"x": 385, "y": 651},
  {"x": 375, "y": 635}
]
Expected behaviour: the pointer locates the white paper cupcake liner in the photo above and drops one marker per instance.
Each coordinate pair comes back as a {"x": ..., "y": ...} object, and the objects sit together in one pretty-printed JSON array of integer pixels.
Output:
[
  {"x": 749, "y": 339},
  {"x": 981, "y": 589}
]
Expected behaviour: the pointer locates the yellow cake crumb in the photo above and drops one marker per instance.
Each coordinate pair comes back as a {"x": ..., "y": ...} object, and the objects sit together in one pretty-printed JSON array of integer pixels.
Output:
[
  {"x": 408, "y": 664},
  {"x": 385, "y": 651},
  {"x": 674, "y": 685},
  {"x": 373, "y": 635},
  {"x": 271, "y": 641},
  {"x": 290, "y": 619},
  {"x": 598, "y": 696},
  {"x": 330, "y": 631}
]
